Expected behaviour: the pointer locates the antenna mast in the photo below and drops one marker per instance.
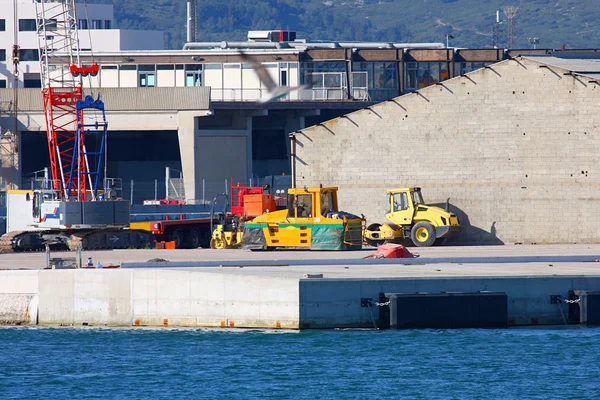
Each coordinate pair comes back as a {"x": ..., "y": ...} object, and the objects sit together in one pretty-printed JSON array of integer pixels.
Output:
[{"x": 510, "y": 12}]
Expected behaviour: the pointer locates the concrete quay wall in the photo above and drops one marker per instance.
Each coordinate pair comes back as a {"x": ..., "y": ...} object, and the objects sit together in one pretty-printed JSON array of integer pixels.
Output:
[
  {"x": 147, "y": 297},
  {"x": 220, "y": 297},
  {"x": 337, "y": 303},
  {"x": 19, "y": 297}
]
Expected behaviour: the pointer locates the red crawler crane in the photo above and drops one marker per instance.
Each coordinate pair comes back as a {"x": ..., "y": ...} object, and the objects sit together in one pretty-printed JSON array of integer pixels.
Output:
[{"x": 61, "y": 90}]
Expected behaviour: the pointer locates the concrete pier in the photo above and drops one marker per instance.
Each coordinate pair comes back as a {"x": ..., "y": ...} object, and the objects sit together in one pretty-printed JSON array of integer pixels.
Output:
[{"x": 320, "y": 292}]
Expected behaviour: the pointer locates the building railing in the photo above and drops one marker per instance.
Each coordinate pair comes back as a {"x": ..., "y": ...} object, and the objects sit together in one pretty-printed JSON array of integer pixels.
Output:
[{"x": 312, "y": 94}]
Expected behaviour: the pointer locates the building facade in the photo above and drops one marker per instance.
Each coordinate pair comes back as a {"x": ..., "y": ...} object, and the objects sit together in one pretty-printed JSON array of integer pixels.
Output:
[
  {"x": 96, "y": 26},
  {"x": 240, "y": 138},
  {"x": 513, "y": 146}
]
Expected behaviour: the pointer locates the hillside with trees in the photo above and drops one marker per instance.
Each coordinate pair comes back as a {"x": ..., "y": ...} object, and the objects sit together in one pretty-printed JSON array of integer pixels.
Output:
[{"x": 572, "y": 23}]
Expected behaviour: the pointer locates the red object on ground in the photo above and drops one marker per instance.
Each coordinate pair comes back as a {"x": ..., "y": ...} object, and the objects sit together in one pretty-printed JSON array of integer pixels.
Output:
[{"x": 391, "y": 250}]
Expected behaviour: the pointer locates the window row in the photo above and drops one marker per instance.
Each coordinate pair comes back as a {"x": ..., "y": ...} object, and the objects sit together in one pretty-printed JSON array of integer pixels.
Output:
[
  {"x": 30, "y": 25},
  {"x": 94, "y": 24},
  {"x": 25, "y": 55}
]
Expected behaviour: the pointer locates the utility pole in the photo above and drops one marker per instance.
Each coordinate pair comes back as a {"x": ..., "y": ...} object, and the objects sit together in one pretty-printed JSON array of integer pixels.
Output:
[
  {"x": 510, "y": 12},
  {"x": 534, "y": 41},
  {"x": 496, "y": 30},
  {"x": 192, "y": 21}
]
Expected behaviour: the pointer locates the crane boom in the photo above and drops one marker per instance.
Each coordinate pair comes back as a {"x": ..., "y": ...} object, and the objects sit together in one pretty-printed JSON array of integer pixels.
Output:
[{"x": 61, "y": 72}]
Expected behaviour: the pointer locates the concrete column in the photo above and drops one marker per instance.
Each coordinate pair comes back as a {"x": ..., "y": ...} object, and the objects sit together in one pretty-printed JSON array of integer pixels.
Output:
[
  {"x": 211, "y": 155},
  {"x": 187, "y": 150}
]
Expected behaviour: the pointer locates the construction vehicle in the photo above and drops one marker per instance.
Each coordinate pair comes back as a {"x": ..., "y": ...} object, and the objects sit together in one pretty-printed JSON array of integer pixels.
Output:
[
  {"x": 412, "y": 220},
  {"x": 312, "y": 220},
  {"x": 186, "y": 233},
  {"x": 39, "y": 217},
  {"x": 247, "y": 203},
  {"x": 77, "y": 206}
]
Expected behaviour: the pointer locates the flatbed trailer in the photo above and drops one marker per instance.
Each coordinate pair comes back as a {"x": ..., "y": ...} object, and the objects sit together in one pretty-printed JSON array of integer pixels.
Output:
[{"x": 186, "y": 233}]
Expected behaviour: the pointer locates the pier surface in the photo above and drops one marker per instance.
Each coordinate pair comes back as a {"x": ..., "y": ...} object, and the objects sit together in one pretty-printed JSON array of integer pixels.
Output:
[{"x": 284, "y": 289}]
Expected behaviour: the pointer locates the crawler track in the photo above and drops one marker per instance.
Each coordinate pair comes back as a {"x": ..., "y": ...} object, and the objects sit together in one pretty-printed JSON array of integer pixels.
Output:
[
  {"x": 7, "y": 240},
  {"x": 108, "y": 239},
  {"x": 102, "y": 239}
]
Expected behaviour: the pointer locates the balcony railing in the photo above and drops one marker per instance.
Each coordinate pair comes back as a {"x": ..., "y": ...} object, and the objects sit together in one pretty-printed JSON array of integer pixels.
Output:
[{"x": 313, "y": 94}]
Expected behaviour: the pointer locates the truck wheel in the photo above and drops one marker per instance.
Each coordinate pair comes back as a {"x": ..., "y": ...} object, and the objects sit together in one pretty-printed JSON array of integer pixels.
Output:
[
  {"x": 374, "y": 242},
  {"x": 422, "y": 234},
  {"x": 177, "y": 237},
  {"x": 194, "y": 239}
]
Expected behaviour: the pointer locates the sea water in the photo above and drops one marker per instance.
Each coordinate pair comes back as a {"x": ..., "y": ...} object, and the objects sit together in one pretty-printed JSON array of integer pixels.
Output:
[{"x": 170, "y": 363}]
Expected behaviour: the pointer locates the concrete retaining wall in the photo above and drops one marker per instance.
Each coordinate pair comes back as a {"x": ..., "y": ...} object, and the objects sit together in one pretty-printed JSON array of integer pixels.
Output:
[
  {"x": 336, "y": 303},
  {"x": 197, "y": 298},
  {"x": 221, "y": 297},
  {"x": 513, "y": 146},
  {"x": 155, "y": 297},
  {"x": 18, "y": 297}
]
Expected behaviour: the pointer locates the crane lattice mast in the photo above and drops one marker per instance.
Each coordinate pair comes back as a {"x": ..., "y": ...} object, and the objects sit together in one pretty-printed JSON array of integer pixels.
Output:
[{"x": 61, "y": 72}]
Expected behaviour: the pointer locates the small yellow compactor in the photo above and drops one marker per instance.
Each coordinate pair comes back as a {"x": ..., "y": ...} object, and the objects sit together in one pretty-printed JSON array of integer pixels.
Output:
[
  {"x": 311, "y": 221},
  {"x": 412, "y": 219}
]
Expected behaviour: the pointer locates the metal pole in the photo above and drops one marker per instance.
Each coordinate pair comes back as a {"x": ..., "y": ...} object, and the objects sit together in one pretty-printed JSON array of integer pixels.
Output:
[
  {"x": 189, "y": 22},
  {"x": 226, "y": 188},
  {"x": 203, "y": 191},
  {"x": 156, "y": 189},
  {"x": 167, "y": 174},
  {"x": 293, "y": 158},
  {"x": 131, "y": 198}
]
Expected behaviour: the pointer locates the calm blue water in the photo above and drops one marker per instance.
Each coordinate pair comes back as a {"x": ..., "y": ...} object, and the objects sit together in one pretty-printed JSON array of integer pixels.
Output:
[{"x": 95, "y": 363}]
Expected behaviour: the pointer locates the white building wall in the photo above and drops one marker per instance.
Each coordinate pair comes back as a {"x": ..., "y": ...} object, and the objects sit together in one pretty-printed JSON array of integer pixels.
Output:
[
  {"x": 109, "y": 77},
  {"x": 99, "y": 40},
  {"x": 232, "y": 82},
  {"x": 165, "y": 78},
  {"x": 128, "y": 78}
]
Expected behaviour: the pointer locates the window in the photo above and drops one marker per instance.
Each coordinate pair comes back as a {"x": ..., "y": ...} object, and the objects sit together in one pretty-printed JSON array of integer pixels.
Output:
[
  {"x": 128, "y": 67},
  {"x": 193, "y": 78},
  {"x": 328, "y": 80},
  {"x": 304, "y": 205},
  {"x": 327, "y": 203},
  {"x": 2, "y": 55},
  {"x": 106, "y": 24},
  {"x": 462, "y": 68},
  {"x": 374, "y": 80},
  {"x": 400, "y": 202},
  {"x": 27, "y": 25},
  {"x": 82, "y": 24},
  {"x": 425, "y": 73},
  {"x": 30, "y": 55},
  {"x": 96, "y": 24},
  {"x": 2, "y": 25},
  {"x": 146, "y": 76},
  {"x": 2, "y": 83},
  {"x": 32, "y": 83},
  {"x": 147, "y": 79},
  {"x": 417, "y": 198},
  {"x": 283, "y": 79},
  {"x": 193, "y": 75}
]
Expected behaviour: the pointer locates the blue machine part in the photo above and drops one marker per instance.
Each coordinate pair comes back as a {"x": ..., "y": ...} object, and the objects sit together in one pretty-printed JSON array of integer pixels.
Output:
[{"x": 85, "y": 128}]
